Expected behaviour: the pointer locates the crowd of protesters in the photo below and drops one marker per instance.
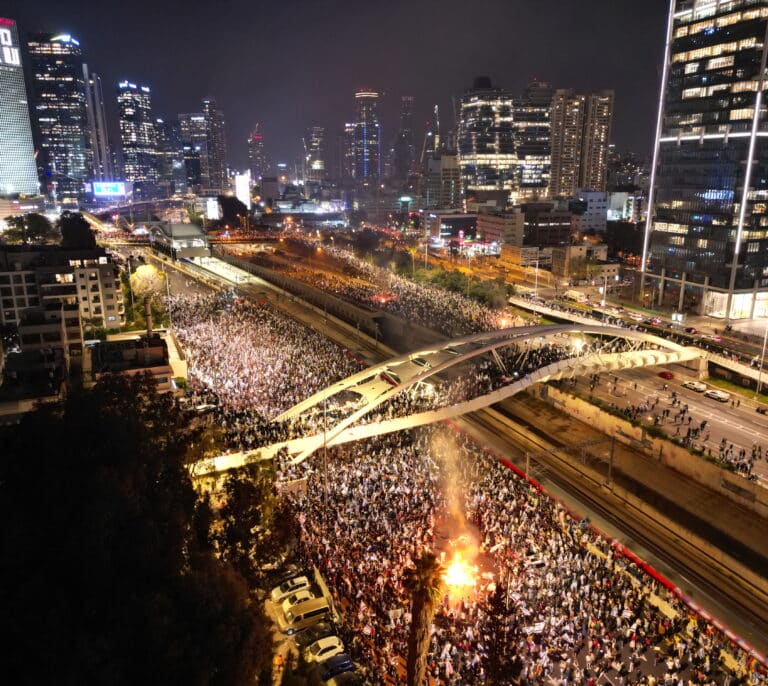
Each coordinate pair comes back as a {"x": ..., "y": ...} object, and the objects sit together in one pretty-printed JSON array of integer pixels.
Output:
[{"x": 557, "y": 603}]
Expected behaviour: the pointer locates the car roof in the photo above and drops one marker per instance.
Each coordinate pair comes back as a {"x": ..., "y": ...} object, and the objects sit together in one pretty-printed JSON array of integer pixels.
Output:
[{"x": 337, "y": 661}]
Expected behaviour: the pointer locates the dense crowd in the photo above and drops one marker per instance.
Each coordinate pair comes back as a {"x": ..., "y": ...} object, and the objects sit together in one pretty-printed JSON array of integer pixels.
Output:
[
  {"x": 252, "y": 363},
  {"x": 557, "y": 604},
  {"x": 369, "y": 286}
]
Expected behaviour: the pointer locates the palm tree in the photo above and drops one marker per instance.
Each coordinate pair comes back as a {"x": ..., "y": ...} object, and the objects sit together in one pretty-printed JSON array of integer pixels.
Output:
[{"x": 426, "y": 583}]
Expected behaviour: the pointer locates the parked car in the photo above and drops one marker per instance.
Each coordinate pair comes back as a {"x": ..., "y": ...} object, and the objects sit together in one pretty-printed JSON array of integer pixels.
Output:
[
  {"x": 314, "y": 633},
  {"x": 666, "y": 374},
  {"x": 697, "y": 386},
  {"x": 289, "y": 586},
  {"x": 336, "y": 665},
  {"x": 720, "y": 396},
  {"x": 691, "y": 329},
  {"x": 295, "y": 598},
  {"x": 323, "y": 649}
]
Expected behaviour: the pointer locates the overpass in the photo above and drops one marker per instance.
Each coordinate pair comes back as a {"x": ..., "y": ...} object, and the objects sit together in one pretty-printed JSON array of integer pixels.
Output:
[{"x": 583, "y": 349}]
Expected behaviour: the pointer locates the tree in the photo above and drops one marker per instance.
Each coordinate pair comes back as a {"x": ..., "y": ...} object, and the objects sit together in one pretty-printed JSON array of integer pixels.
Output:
[
  {"x": 112, "y": 577},
  {"x": 147, "y": 281},
  {"x": 232, "y": 209},
  {"x": 75, "y": 231},
  {"x": 426, "y": 583},
  {"x": 254, "y": 521},
  {"x": 29, "y": 229}
]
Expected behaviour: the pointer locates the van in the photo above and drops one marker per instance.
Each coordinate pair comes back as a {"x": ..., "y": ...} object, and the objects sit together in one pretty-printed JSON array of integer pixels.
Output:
[{"x": 304, "y": 614}]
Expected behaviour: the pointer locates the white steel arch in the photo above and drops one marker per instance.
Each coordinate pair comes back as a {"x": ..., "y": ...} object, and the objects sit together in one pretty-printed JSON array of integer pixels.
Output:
[{"x": 438, "y": 358}]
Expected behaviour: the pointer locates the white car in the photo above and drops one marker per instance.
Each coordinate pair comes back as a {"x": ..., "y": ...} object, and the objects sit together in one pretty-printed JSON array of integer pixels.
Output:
[
  {"x": 720, "y": 396},
  {"x": 296, "y": 598},
  {"x": 323, "y": 649},
  {"x": 287, "y": 587},
  {"x": 695, "y": 386}
]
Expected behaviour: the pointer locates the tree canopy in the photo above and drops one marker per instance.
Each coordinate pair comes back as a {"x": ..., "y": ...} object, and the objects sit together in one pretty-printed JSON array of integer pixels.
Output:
[
  {"x": 28, "y": 229},
  {"x": 109, "y": 574},
  {"x": 75, "y": 231}
]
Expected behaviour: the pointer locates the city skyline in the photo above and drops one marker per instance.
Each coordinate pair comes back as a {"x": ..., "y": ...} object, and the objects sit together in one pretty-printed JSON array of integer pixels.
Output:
[{"x": 260, "y": 84}]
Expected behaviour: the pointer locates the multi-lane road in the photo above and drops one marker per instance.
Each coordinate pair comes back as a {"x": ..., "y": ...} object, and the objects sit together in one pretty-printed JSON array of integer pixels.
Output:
[{"x": 740, "y": 425}]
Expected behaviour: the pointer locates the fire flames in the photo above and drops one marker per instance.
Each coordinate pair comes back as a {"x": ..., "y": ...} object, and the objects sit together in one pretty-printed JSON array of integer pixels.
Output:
[{"x": 459, "y": 573}]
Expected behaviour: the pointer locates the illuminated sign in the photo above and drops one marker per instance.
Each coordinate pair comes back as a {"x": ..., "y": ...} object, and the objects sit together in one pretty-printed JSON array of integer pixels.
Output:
[
  {"x": 102, "y": 189},
  {"x": 9, "y": 53}
]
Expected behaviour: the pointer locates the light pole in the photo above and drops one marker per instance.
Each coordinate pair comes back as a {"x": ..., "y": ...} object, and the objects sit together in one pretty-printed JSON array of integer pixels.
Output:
[{"x": 762, "y": 361}]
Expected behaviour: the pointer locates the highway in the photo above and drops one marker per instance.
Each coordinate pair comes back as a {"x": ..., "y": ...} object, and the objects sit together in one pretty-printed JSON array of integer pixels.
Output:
[
  {"x": 740, "y": 426},
  {"x": 705, "y": 579}
]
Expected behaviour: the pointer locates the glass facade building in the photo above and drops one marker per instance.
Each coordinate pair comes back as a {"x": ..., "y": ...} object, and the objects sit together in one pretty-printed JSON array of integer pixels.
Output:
[
  {"x": 138, "y": 138},
  {"x": 486, "y": 138},
  {"x": 367, "y": 137},
  {"x": 18, "y": 171},
  {"x": 534, "y": 155},
  {"x": 706, "y": 240},
  {"x": 100, "y": 152},
  {"x": 60, "y": 112},
  {"x": 217, "y": 145}
]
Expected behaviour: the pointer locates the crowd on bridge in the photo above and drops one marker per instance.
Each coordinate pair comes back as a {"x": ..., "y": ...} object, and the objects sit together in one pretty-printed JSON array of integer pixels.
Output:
[{"x": 554, "y": 601}]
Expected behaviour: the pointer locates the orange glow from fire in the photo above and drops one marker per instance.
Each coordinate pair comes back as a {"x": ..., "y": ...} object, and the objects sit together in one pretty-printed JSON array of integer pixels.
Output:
[{"x": 459, "y": 573}]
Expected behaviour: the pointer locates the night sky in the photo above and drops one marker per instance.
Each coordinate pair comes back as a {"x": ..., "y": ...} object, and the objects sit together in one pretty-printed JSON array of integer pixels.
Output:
[{"x": 293, "y": 63}]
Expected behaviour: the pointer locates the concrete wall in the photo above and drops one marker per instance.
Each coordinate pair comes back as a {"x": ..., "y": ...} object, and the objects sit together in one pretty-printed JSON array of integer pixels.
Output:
[{"x": 728, "y": 484}]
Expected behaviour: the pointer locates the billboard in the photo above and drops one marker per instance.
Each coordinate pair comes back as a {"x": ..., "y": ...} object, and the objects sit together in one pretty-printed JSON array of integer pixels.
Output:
[{"x": 109, "y": 189}]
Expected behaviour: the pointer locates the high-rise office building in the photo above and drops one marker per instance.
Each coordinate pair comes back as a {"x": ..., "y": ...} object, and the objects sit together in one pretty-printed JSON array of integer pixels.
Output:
[
  {"x": 404, "y": 149},
  {"x": 138, "y": 138},
  {"x": 442, "y": 181},
  {"x": 532, "y": 130},
  {"x": 257, "y": 158},
  {"x": 18, "y": 171},
  {"x": 194, "y": 139},
  {"x": 60, "y": 116},
  {"x": 347, "y": 152},
  {"x": 171, "y": 172},
  {"x": 367, "y": 137},
  {"x": 98, "y": 136},
  {"x": 217, "y": 146},
  {"x": 706, "y": 238},
  {"x": 486, "y": 138},
  {"x": 581, "y": 129},
  {"x": 314, "y": 154}
]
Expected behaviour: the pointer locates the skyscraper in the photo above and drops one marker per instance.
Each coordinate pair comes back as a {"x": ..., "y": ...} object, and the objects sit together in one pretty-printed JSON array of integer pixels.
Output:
[
  {"x": 314, "y": 154},
  {"x": 532, "y": 129},
  {"x": 706, "y": 238},
  {"x": 486, "y": 138},
  {"x": 367, "y": 137},
  {"x": 217, "y": 146},
  {"x": 59, "y": 107},
  {"x": 404, "y": 146},
  {"x": 18, "y": 172},
  {"x": 98, "y": 136},
  {"x": 257, "y": 158},
  {"x": 194, "y": 139},
  {"x": 138, "y": 138},
  {"x": 581, "y": 128}
]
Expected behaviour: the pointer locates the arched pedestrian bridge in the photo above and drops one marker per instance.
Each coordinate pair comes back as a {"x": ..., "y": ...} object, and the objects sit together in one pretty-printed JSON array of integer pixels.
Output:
[{"x": 450, "y": 379}]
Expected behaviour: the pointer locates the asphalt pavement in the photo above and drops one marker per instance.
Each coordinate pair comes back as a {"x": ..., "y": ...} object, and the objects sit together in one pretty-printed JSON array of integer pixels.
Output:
[{"x": 740, "y": 426}]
